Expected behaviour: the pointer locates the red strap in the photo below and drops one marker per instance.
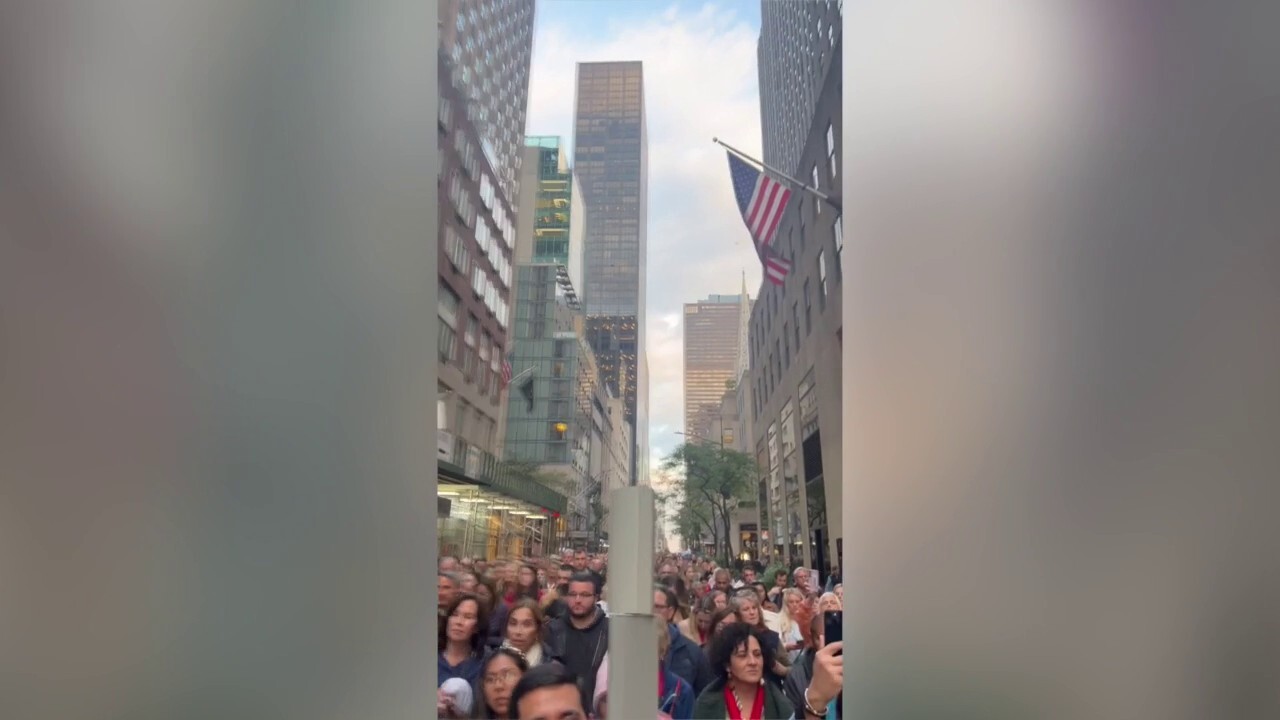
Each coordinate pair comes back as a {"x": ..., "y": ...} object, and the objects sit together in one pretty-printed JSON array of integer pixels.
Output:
[
  {"x": 731, "y": 703},
  {"x": 662, "y": 685}
]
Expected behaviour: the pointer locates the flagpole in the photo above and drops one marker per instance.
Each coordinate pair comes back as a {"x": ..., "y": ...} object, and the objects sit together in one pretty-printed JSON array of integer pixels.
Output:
[{"x": 803, "y": 186}]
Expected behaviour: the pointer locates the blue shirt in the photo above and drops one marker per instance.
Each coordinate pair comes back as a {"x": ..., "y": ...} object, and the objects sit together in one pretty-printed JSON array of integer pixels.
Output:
[{"x": 468, "y": 670}]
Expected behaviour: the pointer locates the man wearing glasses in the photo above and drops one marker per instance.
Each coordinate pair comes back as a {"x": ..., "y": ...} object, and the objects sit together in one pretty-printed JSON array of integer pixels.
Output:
[{"x": 582, "y": 638}]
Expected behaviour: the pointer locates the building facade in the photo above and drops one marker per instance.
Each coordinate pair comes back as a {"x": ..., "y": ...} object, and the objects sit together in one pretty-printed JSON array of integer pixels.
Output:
[
  {"x": 562, "y": 416},
  {"x": 795, "y": 342},
  {"x": 713, "y": 343},
  {"x": 733, "y": 429},
  {"x": 489, "y": 44},
  {"x": 486, "y": 50},
  {"x": 794, "y": 56},
  {"x": 611, "y": 162}
]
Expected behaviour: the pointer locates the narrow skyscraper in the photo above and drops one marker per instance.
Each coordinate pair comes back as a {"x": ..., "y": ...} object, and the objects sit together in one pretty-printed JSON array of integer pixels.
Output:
[{"x": 611, "y": 161}]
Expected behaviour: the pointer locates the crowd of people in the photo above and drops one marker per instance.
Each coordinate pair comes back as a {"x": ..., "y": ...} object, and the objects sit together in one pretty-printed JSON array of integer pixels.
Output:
[{"x": 529, "y": 639}]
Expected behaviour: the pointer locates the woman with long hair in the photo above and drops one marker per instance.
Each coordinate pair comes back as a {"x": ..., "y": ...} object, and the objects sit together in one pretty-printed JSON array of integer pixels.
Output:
[
  {"x": 697, "y": 627},
  {"x": 462, "y": 640},
  {"x": 748, "y": 606},
  {"x": 741, "y": 659},
  {"x": 524, "y": 633},
  {"x": 676, "y": 584},
  {"x": 498, "y": 677},
  {"x": 526, "y": 585},
  {"x": 788, "y": 629},
  {"x": 493, "y": 609}
]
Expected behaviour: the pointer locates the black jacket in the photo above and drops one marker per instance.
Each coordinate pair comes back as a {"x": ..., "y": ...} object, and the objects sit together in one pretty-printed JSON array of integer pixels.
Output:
[{"x": 580, "y": 651}]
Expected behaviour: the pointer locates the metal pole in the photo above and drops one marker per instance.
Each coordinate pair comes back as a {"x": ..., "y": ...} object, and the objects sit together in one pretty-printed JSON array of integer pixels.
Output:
[
  {"x": 633, "y": 647},
  {"x": 803, "y": 186}
]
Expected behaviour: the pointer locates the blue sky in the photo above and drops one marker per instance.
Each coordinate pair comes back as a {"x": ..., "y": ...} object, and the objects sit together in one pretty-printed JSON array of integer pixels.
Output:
[{"x": 700, "y": 82}]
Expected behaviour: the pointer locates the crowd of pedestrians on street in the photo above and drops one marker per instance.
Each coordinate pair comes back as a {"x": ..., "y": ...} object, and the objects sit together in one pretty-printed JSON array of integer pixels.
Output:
[{"x": 528, "y": 639}]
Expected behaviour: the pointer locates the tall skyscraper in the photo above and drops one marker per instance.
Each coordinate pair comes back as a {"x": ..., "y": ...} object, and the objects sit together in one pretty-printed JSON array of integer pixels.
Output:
[
  {"x": 610, "y": 152},
  {"x": 489, "y": 44},
  {"x": 713, "y": 342},
  {"x": 793, "y": 56}
]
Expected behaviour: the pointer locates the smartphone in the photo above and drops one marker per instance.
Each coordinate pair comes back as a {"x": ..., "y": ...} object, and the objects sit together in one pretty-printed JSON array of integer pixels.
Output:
[{"x": 833, "y": 626}]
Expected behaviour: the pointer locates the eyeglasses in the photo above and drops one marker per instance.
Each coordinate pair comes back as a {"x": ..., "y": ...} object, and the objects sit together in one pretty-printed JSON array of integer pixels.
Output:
[
  {"x": 656, "y": 606},
  {"x": 506, "y": 677}
]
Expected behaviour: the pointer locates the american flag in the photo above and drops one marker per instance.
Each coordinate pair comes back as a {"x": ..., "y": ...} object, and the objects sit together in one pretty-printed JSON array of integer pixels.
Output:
[
  {"x": 761, "y": 200},
  {"x": 506, "y": 372},
  {"x": 776, "y": 267}
]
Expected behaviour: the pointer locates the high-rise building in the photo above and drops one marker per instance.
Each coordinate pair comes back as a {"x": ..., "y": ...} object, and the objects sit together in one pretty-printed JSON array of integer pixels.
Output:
[
  {"x": 795, "y": 347},
  {"x": 561, "y": 416},
  {"x": 610, "y": 152},
  {"x": 489, "y": 44},
  {"x": 485, "y": 510},
  {"x": 793, "y": 57},
  {"x": 713, "y": 340}
]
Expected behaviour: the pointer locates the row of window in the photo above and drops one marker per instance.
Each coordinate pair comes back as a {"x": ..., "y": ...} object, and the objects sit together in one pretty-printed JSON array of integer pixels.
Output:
[{"x": 479, "y": 355}]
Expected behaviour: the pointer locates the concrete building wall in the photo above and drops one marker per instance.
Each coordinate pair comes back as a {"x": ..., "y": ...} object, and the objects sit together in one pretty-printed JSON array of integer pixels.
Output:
[
  {"x": 795, "y": 351},
  {"x": 476, "y": 239}
]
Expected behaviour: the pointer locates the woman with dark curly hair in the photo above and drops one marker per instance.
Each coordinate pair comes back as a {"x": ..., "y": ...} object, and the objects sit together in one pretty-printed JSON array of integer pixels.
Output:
[{"x": 740, "y": 659}]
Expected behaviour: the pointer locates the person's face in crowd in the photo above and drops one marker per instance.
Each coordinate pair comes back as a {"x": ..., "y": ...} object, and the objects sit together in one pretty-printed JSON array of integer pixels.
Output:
[
  {"x": 690, "y": 577},
  {"x": 749, "y": 611},
  {"x": 462, "y": 623},
  {"x": 581, "y": 599},
  {"x": 723, "y": 582},
  {"x": 749, "y": 576},
  {"x": 500, "y": 680},
  {"x": 447, "y": 591},
  {"x": 666, "y": 569},
  {"x": 542, "y": 576},
  {"x": 509, "y": 572},
  {"x": 580, "y": 560},
  {"x": 597, "y": 565},
  {"x": 839, "y": 590},
  {"x": 802, "y": 579},
  {"x": 448, "y": 564},
  {"x": 481, "y": 566},
  {"x": 482, "y": 592},
  {"x": 562, "y": 702},
  {"x": 467, "y": 563},
  {"x": 760, "y": 593},
  {"x": 661, "y": 608},
  {"x": 704, "y": 621},
  {"x": 468, "y": 583},
  {"x": 780, "y": 580},
  {"x": 828, "y": 603},
  {"x": 563, "y": 577},
  {"x": 746, "y": 664},
  {"x": 528, "y": 577},
  {"x": 725, "y": 622},
  {"x": 522, "y": 628},
  {"x": 722, "y": 600},
  {"x": 793, "y": 603}
]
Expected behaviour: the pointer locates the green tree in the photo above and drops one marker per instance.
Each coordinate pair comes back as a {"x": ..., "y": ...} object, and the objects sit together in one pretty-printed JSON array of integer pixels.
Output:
[{"x": 716, "y": 479}]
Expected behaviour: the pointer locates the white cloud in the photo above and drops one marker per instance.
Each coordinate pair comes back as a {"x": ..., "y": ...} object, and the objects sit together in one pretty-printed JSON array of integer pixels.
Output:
[{"x": 700, "y": 82}]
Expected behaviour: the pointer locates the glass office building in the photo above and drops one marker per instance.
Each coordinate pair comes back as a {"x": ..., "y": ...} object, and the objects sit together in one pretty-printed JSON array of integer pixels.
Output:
[{"x": 611, "y": 163}]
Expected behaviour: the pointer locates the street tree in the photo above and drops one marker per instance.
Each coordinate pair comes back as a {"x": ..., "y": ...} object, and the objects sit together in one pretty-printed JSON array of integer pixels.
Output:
[{"x": 716, "y": 480}]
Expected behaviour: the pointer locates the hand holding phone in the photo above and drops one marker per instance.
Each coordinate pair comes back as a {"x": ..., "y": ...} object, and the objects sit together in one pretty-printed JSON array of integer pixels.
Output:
[{"x": 832, "y": 627}]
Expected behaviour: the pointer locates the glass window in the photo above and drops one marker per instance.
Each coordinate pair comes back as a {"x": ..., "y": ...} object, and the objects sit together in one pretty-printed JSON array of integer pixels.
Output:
[
  {"x": 837, "y": 228},
  {"x": 808, "y": 308},
  {"x": 822, "y": 279},
  {"x": 831, "y": 151}
]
